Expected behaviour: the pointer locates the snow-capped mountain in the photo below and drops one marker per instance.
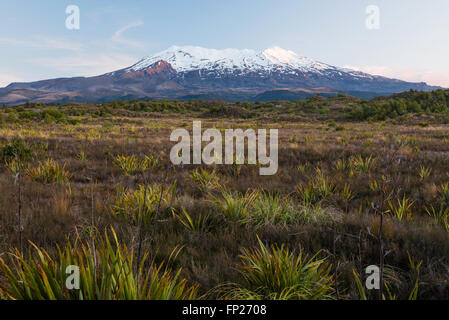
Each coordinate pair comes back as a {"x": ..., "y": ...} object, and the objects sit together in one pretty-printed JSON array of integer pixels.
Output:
[
  {"x": 189, "y": 58},
  {"x": 190, "y": 72},
  {"x": 230, "y": 61}
]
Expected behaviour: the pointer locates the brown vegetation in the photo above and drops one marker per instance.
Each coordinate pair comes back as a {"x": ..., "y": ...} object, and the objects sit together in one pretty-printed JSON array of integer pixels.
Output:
[{"x": 335, "y": 179}]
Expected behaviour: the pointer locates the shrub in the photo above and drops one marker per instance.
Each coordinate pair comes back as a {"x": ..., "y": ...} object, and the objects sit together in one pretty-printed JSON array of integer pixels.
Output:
[
  {"x": 51, "y": 113},
  {"x": 12, "y": 117},
  {"x": 17, "y": 149}
]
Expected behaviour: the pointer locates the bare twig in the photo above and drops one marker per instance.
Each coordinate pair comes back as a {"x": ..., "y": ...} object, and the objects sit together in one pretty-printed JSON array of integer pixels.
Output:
[
  {"x": 19, "y": 212},
  {"x": 156, "y": 216}
]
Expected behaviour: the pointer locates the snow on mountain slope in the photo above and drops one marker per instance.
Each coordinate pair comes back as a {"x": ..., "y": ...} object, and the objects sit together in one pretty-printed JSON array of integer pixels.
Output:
[
  {"x": 190, "y": 58},
  {"x": 279, "y": 56}
]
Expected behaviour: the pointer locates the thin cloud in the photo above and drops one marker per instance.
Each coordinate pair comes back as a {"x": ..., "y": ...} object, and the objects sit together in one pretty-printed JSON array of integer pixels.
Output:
[
  {"x": 43, "y": 43},
  {"x": 86, "y": 65},
  {"x": 119, "y": 38}
]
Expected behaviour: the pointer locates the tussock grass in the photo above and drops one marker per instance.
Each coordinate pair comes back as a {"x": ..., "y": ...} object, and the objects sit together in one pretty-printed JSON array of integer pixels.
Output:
[
  {"x": 200, "y": 224},
  {"x": 140, "y": 205},
  {"x": 205, "y": 180},
  {"x": 440, "y": 215},
  {"x": 132, "y": 164},
  {"x": 106, "y": 270},
  {"x": 318, "y": 188},
  {"x": 362, "y": 165},
  {"x": 272, "y": 209},
  {"x": 276, "y": 273},
  {"x": 401, "y": 209},
  {"x": 235, "y": 205},
  {"x": 49, "y": 172}
]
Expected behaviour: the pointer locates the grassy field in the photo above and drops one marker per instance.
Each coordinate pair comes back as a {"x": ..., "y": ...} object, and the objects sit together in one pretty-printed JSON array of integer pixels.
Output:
[{"x": 93, "y": 185}]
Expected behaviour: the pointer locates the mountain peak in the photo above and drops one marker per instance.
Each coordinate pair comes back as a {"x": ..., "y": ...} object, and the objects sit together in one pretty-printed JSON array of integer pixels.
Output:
[
  {"x": 278, "y": 54},
  {"x": 230, "y": 60}
]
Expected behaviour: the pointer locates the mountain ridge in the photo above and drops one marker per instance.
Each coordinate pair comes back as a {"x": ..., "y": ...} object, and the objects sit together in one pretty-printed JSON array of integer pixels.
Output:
[{"x": 195, "y": 71}]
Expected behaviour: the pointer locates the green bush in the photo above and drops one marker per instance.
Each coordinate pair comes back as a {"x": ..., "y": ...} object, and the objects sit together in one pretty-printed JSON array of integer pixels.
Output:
[{"x": 16, "y": 149}]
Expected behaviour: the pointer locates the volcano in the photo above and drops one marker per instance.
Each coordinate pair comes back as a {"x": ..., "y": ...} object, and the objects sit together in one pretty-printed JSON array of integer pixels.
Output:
[{"x": 188, "y": 72}]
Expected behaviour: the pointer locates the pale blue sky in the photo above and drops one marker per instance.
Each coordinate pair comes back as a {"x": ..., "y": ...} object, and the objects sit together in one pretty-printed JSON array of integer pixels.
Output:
[{"x": 411, "y": 44}]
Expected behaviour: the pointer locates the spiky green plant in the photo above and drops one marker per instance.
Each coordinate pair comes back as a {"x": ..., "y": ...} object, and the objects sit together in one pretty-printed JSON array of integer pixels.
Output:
[
  {"x": 374, "y": 185},
  {"x": 49, "y": 172},
  {"x": 199, "y": 225},
  {"x": 271, "y": 208},
  {"x": 440, "y": 216},
  {"x": 151, "y": 161},
  {"x": 140, "y": 205},
  {"x": 424, "y": 172},
  {"x": 132, "y": 164},
  {"x": 205, "y": 180},
  {"x": 81, "y": 156},
  {"x": 415, "y": 272},
  {"x": 317, "y": 188},
  {"x": 307, "y": 193},
  {"x": 129, "y": 164},
  {"x": 443, "y": 190},
  {"x": 301, "y": 168},
  {"x": 341, "y": 165},
  {"x": 347, "y": 193},
  {"x": 362, "y": 165},
  {"x": 106, "y": 272},
  {"x": 278, "y": 273},
  {"x": 323, "y": 184},
  {"x": 235, "y": 205},
  {"x": 15, "y": 166},
  {"x": 402, "y": 209},
  {"x": 307, "y": 140}
]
